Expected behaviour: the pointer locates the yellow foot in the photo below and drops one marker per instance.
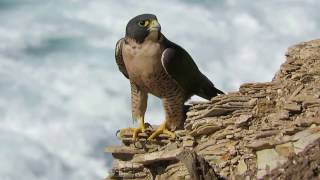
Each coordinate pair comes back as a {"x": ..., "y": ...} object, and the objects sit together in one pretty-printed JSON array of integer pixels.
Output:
[
  {"x": 162, "y": 130},
  {"x": 135, "y": 131}
]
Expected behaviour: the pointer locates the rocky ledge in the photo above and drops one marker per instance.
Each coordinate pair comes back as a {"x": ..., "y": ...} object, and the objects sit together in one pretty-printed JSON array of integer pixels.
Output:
[{"x": 264, "y": 131}]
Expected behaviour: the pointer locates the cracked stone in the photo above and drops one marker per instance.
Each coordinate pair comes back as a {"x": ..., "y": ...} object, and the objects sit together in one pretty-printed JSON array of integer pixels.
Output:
[
  {"x": 242, "y": 167},
  {"x": 292, "y": 107},
  {"x": 268, "y": 159},
  {"x": 259, "y": 144},
  {"x": 304, "y": 141},
  {"x": 285, "y": 149},
  {"x": 243, "y": 119}
]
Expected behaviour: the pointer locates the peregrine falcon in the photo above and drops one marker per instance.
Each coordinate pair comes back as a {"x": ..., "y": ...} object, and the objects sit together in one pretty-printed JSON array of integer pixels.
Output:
[{"x": 155, "y": 65}]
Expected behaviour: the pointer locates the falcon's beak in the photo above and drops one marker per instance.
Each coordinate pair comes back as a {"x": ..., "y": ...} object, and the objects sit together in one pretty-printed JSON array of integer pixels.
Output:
[{"x": 154, "y": 26}]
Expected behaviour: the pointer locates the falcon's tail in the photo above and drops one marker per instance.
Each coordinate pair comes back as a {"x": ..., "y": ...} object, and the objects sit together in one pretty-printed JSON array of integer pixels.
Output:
[{"x": 207, "y": 90}]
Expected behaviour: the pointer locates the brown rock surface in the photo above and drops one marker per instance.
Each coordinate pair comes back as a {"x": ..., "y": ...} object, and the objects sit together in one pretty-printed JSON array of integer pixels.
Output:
[{"x": 266, "y": 130}]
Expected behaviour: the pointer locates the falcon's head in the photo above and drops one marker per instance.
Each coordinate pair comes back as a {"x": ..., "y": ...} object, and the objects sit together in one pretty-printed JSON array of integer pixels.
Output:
[{"x": 141, "y": 26}]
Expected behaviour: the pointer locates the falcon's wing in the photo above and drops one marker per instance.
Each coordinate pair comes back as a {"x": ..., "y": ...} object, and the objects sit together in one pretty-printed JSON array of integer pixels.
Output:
[
  {"x": 181, "y": 67},
  {"x": 119, "y": 59}
]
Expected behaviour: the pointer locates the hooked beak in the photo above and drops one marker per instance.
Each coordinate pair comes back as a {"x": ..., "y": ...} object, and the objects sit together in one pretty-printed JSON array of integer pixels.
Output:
[{"x": 154, "y": 26}]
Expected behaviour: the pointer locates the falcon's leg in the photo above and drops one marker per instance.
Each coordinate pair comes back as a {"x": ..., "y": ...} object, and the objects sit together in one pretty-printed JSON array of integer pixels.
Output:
[
  {"x": 141, "y": 128},
  {"x": 175, "y": 116},
  {"x": 139, "y": 106}
]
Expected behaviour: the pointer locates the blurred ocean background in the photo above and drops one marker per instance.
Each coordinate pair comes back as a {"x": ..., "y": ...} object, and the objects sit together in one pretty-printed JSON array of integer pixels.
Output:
[{"x": 62, "y": 97}]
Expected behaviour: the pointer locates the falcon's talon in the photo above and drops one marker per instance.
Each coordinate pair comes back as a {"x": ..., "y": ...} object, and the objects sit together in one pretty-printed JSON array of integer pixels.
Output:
[
  {"x": 162, "y": 130},
  {"x": 121, "y": 132},
  {"x": 171, "y": 134},
  {"x": 147, "y": 125},
  {"x": 136, "y": 131},
  {"x": 117, "y": 132}
]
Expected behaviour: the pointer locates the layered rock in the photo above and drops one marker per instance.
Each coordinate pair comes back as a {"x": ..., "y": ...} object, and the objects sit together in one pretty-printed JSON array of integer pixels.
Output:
[{"x": 261, "y": 131}]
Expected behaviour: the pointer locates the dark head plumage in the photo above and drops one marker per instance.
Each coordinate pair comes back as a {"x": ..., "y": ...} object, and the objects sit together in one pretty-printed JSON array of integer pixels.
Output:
[{"x": 139, "y": 27}]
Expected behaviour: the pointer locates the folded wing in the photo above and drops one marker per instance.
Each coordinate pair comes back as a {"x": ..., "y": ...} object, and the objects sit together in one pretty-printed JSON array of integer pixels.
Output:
[{"x": 181, "y": 67}]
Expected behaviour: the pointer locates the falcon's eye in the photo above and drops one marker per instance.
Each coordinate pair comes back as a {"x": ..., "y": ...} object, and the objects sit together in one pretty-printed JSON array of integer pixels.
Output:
[{"x": 143, "y": 23}]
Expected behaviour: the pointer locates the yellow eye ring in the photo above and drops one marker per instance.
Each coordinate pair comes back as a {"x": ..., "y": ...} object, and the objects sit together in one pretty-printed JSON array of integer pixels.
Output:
[{"x": 143, "y": 23}]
